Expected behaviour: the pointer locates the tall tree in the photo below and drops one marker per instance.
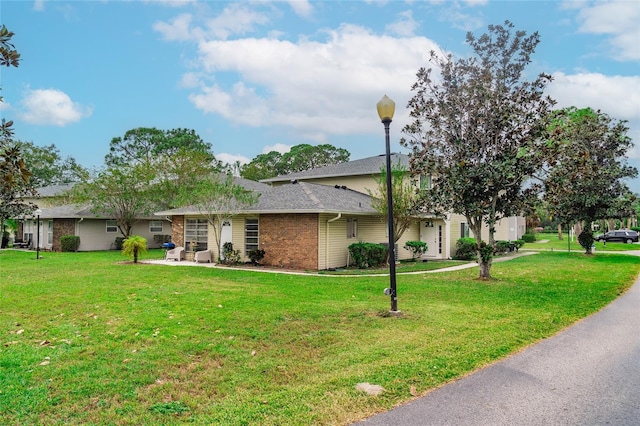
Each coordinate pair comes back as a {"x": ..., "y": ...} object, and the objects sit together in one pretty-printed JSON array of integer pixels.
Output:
[
  {"x": 587, "y": 168},
  {"x": 48, "y": 167},
  {"x": 145, "y": 145},
  {"x": 119, "y": 193},
  {"x": 300, "y": 158},
  {"x": 15, "y": 177},
  {"x": 218, "y": 198},
  {"x": 405, "y": 199},
  {"x": 264, "y": 166},
  {"x": 477, "y": 130}
]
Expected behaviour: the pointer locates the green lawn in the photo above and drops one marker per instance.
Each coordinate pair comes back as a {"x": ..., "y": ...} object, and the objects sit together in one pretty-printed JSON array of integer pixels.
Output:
[
  {"x": 549, "y": 241},
  {"x": 88, "y": 339}
]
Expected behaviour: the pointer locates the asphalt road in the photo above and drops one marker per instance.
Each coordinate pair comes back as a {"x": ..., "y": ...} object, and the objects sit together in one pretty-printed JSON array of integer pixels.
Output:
[{"x": 589, "y": 374}]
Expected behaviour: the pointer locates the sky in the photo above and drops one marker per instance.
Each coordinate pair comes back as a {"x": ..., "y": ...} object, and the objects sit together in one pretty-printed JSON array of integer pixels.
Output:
[{"x": 257, "y": 76}]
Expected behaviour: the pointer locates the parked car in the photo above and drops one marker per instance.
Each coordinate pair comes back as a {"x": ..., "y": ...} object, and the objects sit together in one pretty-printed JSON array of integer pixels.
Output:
[{"x": 623, "y": 236}]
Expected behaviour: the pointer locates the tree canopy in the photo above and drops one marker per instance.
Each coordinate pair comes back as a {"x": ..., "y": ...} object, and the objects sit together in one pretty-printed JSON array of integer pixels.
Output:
[
  {"x": 48, "y": 167},
  {"x": 300, "y": 158},
  {"x": 586, "y": 170},
  {"x": 476, "y": 130},
  {"x": 15, "y": 177}
]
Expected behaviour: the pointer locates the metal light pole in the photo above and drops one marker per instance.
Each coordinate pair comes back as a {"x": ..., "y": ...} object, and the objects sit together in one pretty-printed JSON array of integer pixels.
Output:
[
  {"x": 38, "y": 212},
  {"x": 386, "y": 108}
]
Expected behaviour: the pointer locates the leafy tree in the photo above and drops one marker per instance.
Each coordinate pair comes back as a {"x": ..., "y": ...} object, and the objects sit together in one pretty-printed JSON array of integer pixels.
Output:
[
  {"x": 134, "y": 246},
  {"x": 218, "y": 198},
  {"x": 15, "y": 177},
  {"x": 300, "y": 158},
  {"x": 119, "y": 193},
  {"x": 477, "y": 131},
  {"x": 306, "y": 157},
  {"x": 586, "y": 154},
  {"x": 145, "y": 145},
  {"x": 48, "y": 167},
  {"x": 405, "y": 199},
  {"x": 264, "y": 166}
]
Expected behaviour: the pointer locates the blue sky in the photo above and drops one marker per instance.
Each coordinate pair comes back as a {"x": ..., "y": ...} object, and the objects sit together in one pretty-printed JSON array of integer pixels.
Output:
[{"x": 255, "y": 76}]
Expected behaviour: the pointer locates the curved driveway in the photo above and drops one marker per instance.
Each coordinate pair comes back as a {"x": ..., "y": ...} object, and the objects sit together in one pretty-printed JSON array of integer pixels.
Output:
[{"x": 588, "y": 374}]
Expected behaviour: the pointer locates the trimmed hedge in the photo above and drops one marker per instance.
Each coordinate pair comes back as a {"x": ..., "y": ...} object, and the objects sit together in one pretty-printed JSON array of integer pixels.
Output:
[
  {"x": 465, "y": 249},
  {"x": 529, "y": 238},
  {"x": 70, "y": 242},
  {"x": 365, "y": 255}
]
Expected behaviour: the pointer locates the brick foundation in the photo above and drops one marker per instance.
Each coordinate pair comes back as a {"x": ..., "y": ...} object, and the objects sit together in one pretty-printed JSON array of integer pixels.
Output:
[
  {"x": 62, "y": 227},
  {"x": 290, "y": 240},
  {"x": 177, "y": 230}
]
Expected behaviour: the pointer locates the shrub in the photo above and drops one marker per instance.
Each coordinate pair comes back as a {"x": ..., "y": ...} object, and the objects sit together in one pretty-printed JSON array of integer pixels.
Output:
[
  {"x": 502, "y": 246},
  {"x": 519, "y": 243},
  {"x": 465, "y": 249},
  {"x": 134, "y": 246},
  {"x": 586, "y": 239},
  {"x": 529, "y": 238},
  {"x": 256, "y": 255},
  {"x": 365, "y": 255},
  {"x": 229, "y": 255},
  {"x": 5, "y": 239},
  {"x": 118, "y": 242},
  {"x": 70, "y": 242},
  {"x": 417, "y": 248}
]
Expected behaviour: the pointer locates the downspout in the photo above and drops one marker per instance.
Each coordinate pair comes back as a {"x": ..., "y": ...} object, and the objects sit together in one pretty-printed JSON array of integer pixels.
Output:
[{"x": 326, "y": 241}]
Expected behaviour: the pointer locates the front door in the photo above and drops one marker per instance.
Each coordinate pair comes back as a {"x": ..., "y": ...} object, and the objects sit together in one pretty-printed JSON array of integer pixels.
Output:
[
  {"x": 225, "y": 235},
  {"x": 429, "y": 235}
]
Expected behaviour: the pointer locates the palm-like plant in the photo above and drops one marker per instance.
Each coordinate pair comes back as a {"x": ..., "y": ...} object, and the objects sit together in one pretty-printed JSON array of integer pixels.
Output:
[{"x": 133, "y": 246}]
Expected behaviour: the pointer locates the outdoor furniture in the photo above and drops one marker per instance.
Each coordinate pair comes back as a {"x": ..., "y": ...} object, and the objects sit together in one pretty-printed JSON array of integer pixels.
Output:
[
  {"x": 175, "y": 254},
  {"x": 202, "y": 256}
]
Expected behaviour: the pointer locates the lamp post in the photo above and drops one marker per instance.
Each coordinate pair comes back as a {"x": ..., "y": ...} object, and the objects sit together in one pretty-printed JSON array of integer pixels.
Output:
[
  {"x": 38, "y": 212},
  {"x": 386, "y": 108}
]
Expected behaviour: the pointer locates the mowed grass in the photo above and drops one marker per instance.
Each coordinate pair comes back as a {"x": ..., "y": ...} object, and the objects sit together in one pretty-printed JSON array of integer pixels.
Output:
[
  {"x": 88, "y": 339},
  {"x": 550, "y": 241}
]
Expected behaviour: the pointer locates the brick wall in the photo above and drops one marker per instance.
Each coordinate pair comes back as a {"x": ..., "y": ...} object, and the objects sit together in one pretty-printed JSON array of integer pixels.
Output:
[
  {"x": 290, "y": 240},
  {"x": 177, "y": 230},
  {"x": 62, "y": 227}
]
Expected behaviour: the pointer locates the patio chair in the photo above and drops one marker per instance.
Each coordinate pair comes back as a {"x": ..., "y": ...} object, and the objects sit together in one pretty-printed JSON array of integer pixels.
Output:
[
  {"x": 175, "y": 254},
  {"x": 202, "y": 256}
]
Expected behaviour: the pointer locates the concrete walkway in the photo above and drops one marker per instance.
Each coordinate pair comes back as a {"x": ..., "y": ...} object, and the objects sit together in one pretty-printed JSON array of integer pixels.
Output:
[{"x": 588, "y": 374}]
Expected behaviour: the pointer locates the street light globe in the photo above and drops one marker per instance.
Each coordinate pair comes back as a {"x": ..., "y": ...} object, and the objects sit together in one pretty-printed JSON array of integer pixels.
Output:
[
  {"x": 38, "y": 212},
  {"x": 386, "y": 108}
]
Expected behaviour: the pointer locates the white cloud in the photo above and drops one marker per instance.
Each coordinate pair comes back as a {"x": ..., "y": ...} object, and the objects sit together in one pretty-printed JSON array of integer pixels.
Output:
[
  {"x": 404, "y": 26},
  {"x": 619, "y": 19},
  {"x": 51, "y": 107},
  {"x": 315, "y": 87},
  {"x": 279, "y": 147},
  {"x": 301, "y": 8},
  {"x": 38, "y": 5},
  {"x": 232, "y": 158},
  {"x": 617, "y": 96},
  {"x": 235, "y": 19}
]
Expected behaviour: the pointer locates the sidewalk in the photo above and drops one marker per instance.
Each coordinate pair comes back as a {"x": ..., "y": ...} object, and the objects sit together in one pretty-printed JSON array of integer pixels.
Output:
[{"x": 588, "y": 374}]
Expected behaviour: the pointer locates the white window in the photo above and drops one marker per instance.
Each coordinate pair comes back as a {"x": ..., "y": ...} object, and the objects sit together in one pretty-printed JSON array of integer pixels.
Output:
[
  {"x": 425, "y": 182},
  {"x": 112, "y": 226},
  {"x": 155, "y": 226},
  {"x": 464, "y": 230},
  {"x": 352, "y": 228},
  {"x": 50, "y": 233},
  {"x": 196, "y": 234},
  {"x": 251, "y": 233}
]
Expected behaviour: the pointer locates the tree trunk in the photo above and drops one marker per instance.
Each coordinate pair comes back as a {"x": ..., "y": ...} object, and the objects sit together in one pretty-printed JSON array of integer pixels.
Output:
[
  {"x": 484, "y": 262},
  {"x": 560, "y": 232}
]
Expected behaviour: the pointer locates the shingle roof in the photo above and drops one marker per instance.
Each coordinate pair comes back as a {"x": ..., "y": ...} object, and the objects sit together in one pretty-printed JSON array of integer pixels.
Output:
[
  {"x": 302, "y": 198},
  {"x": 364, "y": 166},
  {"x": 54, "y": 190}
]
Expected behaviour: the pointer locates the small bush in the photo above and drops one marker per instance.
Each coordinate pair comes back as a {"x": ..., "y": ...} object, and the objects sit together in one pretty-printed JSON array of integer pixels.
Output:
[
  {"x": 365, "y": 255},
  {"x": 465, "y": 249},
  {"x": 529, "y": 238},
  {"x": 134, "y": 246},
  {"x": 118, "y": 243},
  {"x": 519, "y": 244},
  {"x": 417, "y": 248},
  {"x": 230, "y": 256},
  {"x": 502, "y": 247},
  {"x": 256, "y": 256},
  {"x": 70, "y": 242},
  {"x": 586, "y": 239}
]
